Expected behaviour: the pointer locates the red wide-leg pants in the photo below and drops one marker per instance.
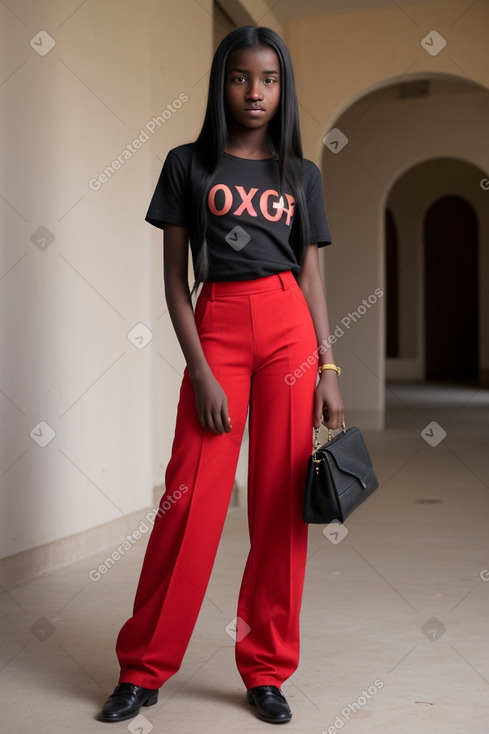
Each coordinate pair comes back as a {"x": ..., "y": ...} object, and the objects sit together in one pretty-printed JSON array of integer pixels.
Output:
[{"x": 255, "y": 335}]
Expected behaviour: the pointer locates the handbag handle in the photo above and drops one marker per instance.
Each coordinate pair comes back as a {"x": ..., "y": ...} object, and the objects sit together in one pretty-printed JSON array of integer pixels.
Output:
[
  {"x": 330, "y": 432},
  {"x": 317, "y": 443}
]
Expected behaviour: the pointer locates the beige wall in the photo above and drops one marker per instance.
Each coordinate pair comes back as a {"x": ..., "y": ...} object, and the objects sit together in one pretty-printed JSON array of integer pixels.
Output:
[{"x": 67, "y": 309}]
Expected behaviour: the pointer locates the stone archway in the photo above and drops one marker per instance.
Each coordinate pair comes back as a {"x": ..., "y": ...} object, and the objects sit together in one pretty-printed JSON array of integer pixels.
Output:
[{"x": 389, "y": 134}]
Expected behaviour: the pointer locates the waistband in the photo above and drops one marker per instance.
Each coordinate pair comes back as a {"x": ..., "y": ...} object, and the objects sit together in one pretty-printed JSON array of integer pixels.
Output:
[{"x": 281, "y": 281}]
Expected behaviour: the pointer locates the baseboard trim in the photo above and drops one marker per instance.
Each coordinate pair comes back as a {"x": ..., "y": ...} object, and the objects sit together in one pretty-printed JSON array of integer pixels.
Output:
[{"x": 25, "y": 565}]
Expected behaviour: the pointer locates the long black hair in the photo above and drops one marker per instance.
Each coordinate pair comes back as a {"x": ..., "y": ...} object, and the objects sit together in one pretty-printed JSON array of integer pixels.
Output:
[{"x": 284, "y": 140}]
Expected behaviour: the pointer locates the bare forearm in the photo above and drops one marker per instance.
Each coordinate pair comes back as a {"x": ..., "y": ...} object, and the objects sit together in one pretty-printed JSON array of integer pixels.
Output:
[
  {"x": 328, "y": 405},
  {"x": 177, "y": 294},
  {"x": 314, "y": 295},
  {"x": 210, "y": 399},
  {"x": 312, "y": 288}
]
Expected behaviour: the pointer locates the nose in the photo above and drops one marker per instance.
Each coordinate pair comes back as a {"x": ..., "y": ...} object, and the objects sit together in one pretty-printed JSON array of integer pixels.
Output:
[{"x": 254, "y": 91}]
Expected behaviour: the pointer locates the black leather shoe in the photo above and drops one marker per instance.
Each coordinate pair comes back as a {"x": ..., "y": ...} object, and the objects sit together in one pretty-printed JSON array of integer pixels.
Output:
[
  {"x": 270, "y": 703},
  {"x": 126, "y": 701}
]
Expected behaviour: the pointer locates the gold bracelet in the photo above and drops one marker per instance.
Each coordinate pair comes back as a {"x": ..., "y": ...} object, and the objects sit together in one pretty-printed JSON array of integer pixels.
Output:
[{"x": 330, "y": 367}]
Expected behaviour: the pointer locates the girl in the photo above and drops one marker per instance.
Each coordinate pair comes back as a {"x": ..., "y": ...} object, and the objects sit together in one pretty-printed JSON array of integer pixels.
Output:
[{"x": 252, "y": 208}]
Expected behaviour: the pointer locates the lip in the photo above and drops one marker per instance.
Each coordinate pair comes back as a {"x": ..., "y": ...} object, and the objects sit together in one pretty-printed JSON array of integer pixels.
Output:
[{"x": 254, "y": 110}]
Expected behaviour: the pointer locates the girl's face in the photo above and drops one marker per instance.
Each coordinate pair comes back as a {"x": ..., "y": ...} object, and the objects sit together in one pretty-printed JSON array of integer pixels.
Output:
[{"x": 252, "y": 86}]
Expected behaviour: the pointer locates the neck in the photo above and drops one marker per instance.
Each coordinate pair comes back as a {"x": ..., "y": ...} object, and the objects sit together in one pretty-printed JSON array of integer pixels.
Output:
[{"x": 248, "y": 143}]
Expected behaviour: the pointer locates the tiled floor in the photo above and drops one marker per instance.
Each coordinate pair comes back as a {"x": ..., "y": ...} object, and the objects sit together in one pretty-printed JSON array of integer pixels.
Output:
[{"x": 395, "y": 616}]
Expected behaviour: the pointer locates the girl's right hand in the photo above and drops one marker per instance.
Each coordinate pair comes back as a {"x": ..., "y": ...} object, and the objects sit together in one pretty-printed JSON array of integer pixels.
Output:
[{"x": 212, "y": 404}]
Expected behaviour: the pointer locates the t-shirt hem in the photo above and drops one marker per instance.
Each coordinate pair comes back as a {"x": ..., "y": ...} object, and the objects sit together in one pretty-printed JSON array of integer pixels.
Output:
[{"x": 320, "y": 240}]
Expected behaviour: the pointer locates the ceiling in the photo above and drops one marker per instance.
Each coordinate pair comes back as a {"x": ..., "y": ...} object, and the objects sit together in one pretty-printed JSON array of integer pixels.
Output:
[{"x": 287, "y": 10}]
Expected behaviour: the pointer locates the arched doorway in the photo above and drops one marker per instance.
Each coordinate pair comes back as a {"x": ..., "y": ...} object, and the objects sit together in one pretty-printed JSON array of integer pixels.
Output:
[
  {"x": 439, "y": 218},
  {"x": 451, "y": 308},
  {"x": 388, "y": 162}
]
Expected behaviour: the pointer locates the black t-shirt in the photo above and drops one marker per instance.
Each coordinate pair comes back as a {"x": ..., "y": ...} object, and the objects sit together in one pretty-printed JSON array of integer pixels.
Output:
[{"x": 249, "y": 220}]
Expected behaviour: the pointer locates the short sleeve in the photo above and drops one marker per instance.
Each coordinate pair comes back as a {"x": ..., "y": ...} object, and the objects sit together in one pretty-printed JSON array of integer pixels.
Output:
[
  {"x": 169, "y": 202},
  {"x": 313, "y": 188}
]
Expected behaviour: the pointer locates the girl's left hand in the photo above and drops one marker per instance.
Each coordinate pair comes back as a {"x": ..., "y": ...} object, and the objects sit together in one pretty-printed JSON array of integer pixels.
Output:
[{"x": 328, "y": 404}]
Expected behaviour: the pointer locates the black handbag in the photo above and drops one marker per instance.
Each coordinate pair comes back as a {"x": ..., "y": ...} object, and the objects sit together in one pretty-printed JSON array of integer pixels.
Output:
[{"x": 340, "y": 476}]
